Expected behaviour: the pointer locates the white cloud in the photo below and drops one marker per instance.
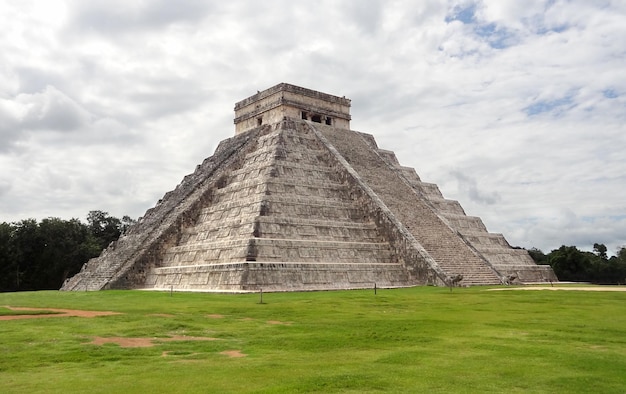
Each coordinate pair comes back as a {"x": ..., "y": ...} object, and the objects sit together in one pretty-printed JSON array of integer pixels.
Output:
[
  {"x": 515, "y": 109},
  {"x": 121, "y": 17},
  {"x": 50, "y": 110}
]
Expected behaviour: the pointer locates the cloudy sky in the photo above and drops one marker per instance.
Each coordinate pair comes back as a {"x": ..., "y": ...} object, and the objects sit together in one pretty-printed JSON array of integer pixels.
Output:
[{"x": 515, "y": 108}]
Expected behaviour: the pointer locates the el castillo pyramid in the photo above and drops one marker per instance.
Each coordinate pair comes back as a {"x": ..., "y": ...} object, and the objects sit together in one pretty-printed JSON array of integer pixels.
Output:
[{"x": 298, "y": 201}]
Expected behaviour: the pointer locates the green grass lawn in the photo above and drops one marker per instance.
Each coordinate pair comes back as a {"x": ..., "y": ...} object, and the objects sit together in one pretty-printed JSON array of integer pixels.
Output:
[{"x": 423, "y": 339}]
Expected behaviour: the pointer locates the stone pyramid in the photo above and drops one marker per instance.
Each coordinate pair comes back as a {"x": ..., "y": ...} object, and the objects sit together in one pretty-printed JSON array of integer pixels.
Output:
[{"x": 298, "y": 201}]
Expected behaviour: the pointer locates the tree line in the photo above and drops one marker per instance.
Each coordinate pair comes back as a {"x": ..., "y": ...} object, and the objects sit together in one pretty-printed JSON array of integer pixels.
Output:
[
  {"x": 571, "y": 264},
  {"x": 41, "y": 255}
]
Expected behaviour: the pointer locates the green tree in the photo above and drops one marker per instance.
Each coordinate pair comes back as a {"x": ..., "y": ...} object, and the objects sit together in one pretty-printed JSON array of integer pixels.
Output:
[
  {"x": 104, "y": 228},
  {"x": 36, "y": 256},
  {"x": 570, "y": 264},
  {"x": 600, "y": 250},
  {"x": 67, "y": 246},
  {"x": 617, "y": 266},
  {"x": 608, "y": 270},
  {"x": 538, "y": 256},
  {"x": 8, "y": 267},
  {"x": 27, "y": 244},
  {"x": 126, "y": 223}
]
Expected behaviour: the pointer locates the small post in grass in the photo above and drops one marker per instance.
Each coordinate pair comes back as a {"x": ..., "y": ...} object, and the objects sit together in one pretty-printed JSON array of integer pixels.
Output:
[
  {"x": 171, "y": 290},
  {"x": 454, "y": 281},
  {"x": 261, "y": 293},
  {"x": 374, "y": 288}
]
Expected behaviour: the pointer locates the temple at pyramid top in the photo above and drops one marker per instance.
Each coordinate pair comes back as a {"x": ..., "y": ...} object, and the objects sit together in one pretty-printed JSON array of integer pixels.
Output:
[{"x": 285, "y": 100}]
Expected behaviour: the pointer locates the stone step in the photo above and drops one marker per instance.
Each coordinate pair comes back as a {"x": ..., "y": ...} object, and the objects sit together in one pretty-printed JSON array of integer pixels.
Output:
[
  {"x": 267, "y": 153},
  {"x": 291, "y": 137},
  {"x": 250, "y": 172},
  {"x": 482, "y": 240},
  {"x": 430, "y": 190},
  {"x": 317, "y": 207},
  {"x": 231, "y": 211},
  {"x": 528, "y": 273},
  {"x": 447, "y": 207},
  {"x": 270, "y": 249},
  {"x": 463, "y": 223},
  {"x": 281, "y": 226},
  {"x": 285, "y": 205},
  {"x": 280, "y": 169},
  {"x": 302, "y": 187},
  {"x": 309, "y": 182},
  {"x": 317, "y": 229},
  {"x": 278, "y": 276},
  {"x": 510, "y": 256}
]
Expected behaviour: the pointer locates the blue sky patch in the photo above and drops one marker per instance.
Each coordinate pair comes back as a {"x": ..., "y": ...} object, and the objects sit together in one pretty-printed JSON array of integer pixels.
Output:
[
  {"x": 554, "y": 29},
  {"x": 557, "y": 107},
  {"x": 610, "y": 93},
  {"x": 462, "y": 14},
  {"x": 495, "y": 37}
]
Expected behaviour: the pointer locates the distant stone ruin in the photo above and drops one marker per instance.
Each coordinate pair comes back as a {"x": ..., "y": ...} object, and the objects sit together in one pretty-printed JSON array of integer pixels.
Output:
[{"x": 298, "y": 201}]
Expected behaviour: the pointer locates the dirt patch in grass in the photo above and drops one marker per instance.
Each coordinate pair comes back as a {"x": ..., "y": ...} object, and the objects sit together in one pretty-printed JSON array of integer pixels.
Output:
[
  {"x": 53, "y": 312},
  {"x": 124, "y": 342},
  {"x": 233, "y": 353},
  {"x": 215, "y": 316},
  {"x": 279, "y": 322},
  {"x": 145, "y": 342}
]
